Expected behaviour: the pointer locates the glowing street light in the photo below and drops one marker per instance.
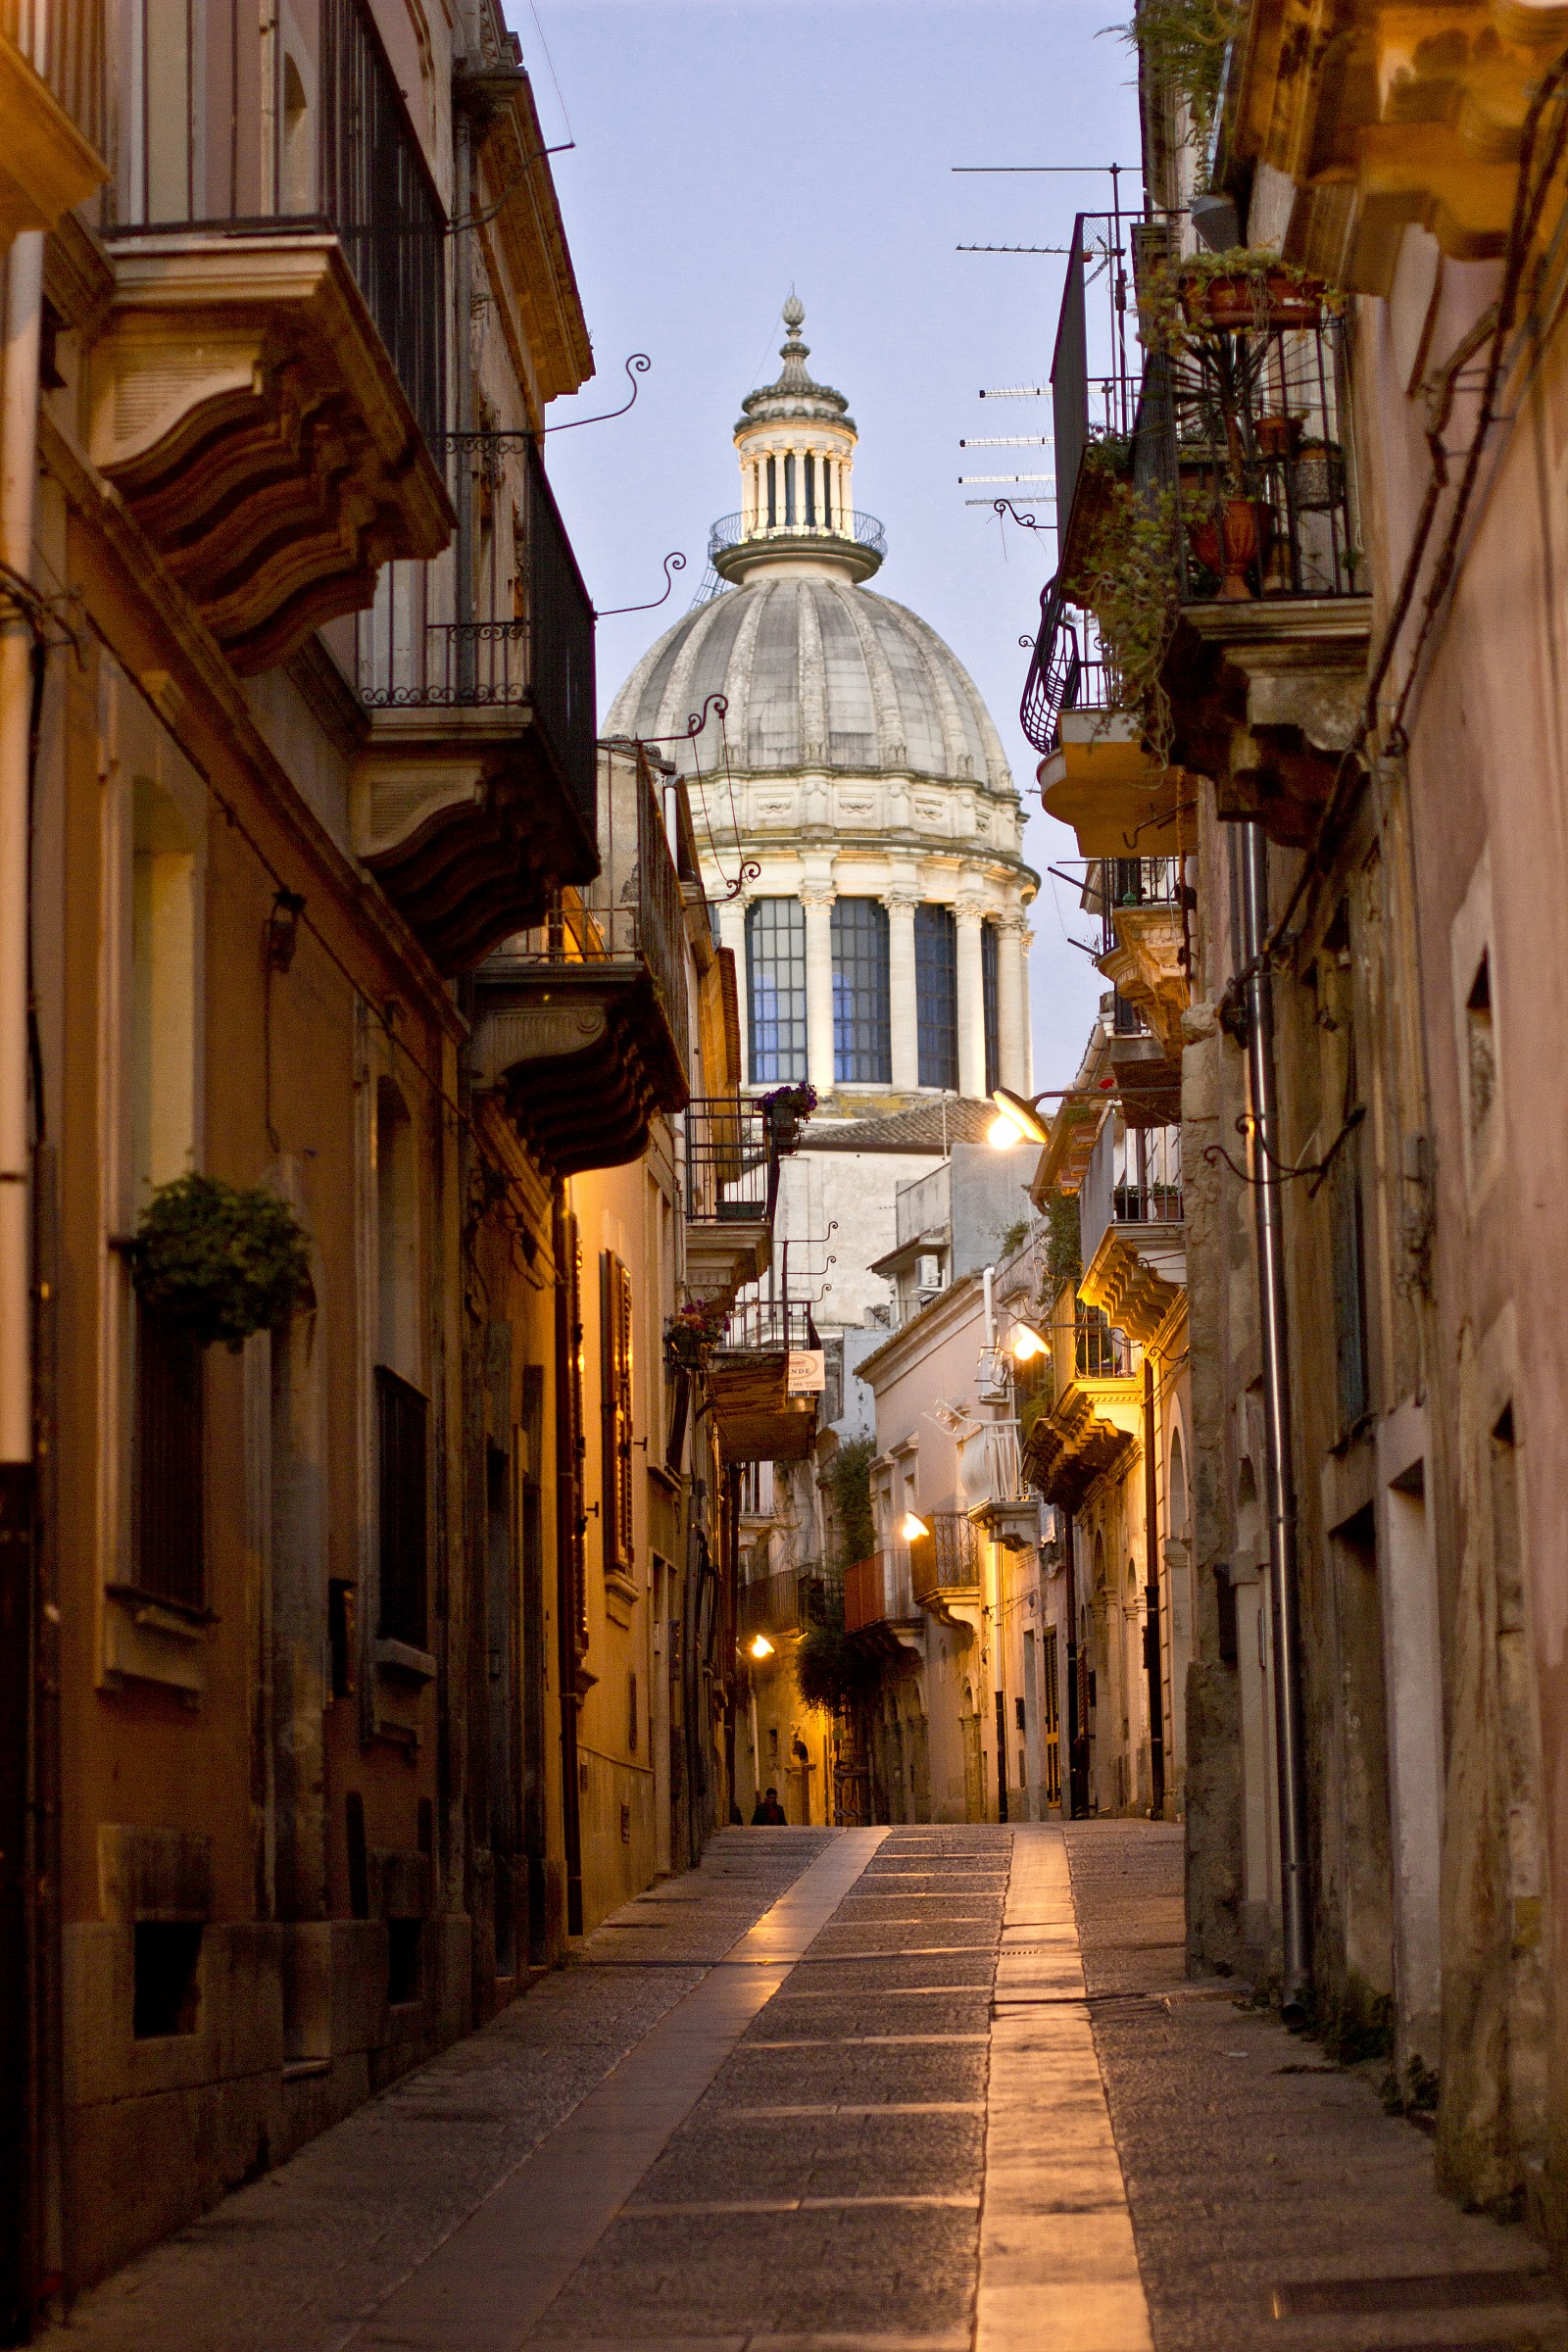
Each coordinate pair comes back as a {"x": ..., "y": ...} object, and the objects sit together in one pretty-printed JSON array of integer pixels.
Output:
[
  {"x": 1026, "y": 1344},
  {"x": 761, "y": 1646},
  {"x": 1003, "y": 1132},
  {"x": 914, "y": 1528}
]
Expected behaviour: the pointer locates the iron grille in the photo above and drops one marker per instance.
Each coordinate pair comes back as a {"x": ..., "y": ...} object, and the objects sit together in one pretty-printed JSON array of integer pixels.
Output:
[
  {"x": 402, "y": 1418},
  {"x": 170, "y": 1529},
  {"x": 731, "y": 1164}
]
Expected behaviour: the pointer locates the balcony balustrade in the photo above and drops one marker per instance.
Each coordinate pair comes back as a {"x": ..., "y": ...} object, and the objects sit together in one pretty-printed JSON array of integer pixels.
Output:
[
  {"x": 730, "y": 1193},
  {"x": 51, "y": 104},
  {"x": 581, "y": 1019},
  {"x": 734, "y": 546},
  {"x": 945, "y": 1565},
  {"x": 757, "y": 1417},
  {"x": 267, "y": 387},
  {"x": 475, "y": 798},
  {"x": 786, "y": 1602}
]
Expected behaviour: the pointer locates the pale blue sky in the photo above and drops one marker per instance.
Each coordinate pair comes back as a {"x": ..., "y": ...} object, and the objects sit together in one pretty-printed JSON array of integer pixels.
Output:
[{"x": 728, "y": 149}]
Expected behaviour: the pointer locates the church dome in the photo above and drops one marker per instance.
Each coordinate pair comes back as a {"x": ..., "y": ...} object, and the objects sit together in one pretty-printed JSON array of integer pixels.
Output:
[{"x": 817, "y": 672}]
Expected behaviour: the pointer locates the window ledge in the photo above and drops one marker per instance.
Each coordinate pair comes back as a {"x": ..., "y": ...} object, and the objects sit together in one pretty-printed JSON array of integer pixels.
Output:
[
  {"x": 402, "y": 1658},
  {"x": 172, "y": 1617}
]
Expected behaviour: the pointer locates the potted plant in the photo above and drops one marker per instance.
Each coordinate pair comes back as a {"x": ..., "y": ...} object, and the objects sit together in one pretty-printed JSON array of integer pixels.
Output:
[
  {"x": 690, "y": 1334},
  {"x": 221, "y": 1259},
  {"x": 784, "y": 1111}
]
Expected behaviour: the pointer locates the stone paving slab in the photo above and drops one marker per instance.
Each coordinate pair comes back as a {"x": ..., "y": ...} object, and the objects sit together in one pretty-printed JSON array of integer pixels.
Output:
[{"x": 1247, "y": 2176}]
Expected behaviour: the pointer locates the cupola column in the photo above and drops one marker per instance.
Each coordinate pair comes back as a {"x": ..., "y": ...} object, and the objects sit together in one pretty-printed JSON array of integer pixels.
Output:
[
  {"x": 818, "y": 906},
  {"x": 1010, "y": 1007},
  {"x": 905, "y": 1035},
  {"x": 971, "y": 1003},
  {"x": 732, "y": 935}
]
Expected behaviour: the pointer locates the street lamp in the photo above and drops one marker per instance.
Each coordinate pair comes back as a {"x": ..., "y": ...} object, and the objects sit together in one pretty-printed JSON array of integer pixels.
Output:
[
  {"x": 1025, "y": 1342},
  {"x": 761, "y": 1646},
  {"x": 913, "y": 1527},
  {"x": 1019, "y": 1120}
]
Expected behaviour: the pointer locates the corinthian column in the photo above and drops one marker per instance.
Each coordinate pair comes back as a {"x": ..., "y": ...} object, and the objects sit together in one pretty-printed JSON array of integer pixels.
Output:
[
  {"x": 1010, "y": 953},
  {"x": 905, "y": 1032},
  {"x": 972, "y": 1004},
  {"x": 819, "y": 904}
]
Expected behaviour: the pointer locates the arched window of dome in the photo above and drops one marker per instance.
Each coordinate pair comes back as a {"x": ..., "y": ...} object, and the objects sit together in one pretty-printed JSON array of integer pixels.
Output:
[
  {"x": 989, "y": 943},
  {"x": 775, "y": 981},
  {"x": 827, "y": 493},
  {"x": 789, "y": 487},
  {"x": 809, "y": 464},
  {"x": 936, "y": 995},
  {"x": 863, "y": 1037},
  {"x": 772, "y": 493}
]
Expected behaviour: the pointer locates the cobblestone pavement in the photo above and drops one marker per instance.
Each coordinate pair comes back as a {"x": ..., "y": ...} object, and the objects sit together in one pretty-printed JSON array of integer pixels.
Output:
[{"x": 841, "y": 2093}]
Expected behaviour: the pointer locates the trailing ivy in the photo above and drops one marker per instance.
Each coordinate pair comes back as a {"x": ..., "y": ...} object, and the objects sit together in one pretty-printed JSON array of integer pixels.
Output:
[
  {"x": 223, "y": 1260},
  {"x": 1183, "y": 46},
  {"x": 848, "y": 1485},
  {"x": 831, "y": 1669},
  {"x": 1063, "y": 1255}
]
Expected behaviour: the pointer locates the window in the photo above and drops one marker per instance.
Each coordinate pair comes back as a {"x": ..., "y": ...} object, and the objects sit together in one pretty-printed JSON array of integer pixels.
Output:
[
  {"x": 827, "y": 494},
  {"x": 862, "y": 1050},
  {"x": 989, "y": 942},
  {"x": 809, "y": 464},
  {"x": 400, "y": 1428},
  {"x": 166, "y": 1983},
  {"x": 1481, "y": 1076},
  {"x": 789, "y": 488},
  {"x": 772, "y": 492},
  {"x": 1350, "y": 1284},
  {"x": 615, "y": 1395},
  {"x": 775, "y": 969},
  {"x": 936, "y": 995}
]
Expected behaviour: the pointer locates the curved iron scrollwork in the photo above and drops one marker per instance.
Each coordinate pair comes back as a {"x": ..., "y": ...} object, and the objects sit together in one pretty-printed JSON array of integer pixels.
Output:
[
  {"x": 674, "y": 562},
  {"x": 1025, "y": 522},
  {"x": 638, "y": 365}
]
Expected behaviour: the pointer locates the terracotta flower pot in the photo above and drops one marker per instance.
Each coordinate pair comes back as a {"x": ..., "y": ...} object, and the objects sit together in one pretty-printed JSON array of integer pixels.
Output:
[
  {"x": 1235, "y": 545},
  {"x": 1246, "y": 304},
  {"x": 1277, "y": 436}
]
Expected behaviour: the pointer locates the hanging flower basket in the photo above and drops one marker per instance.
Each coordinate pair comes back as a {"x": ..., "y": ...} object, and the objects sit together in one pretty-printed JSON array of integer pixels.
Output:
[
  {"x": 1251, "y": 301},
  {"x": 221, "y": 1259},
  {"x": 785, "y": 1110}
]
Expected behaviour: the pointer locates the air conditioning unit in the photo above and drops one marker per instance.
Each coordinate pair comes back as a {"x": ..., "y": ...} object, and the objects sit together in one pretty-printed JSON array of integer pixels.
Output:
[{"x": 928, "y": 1272}]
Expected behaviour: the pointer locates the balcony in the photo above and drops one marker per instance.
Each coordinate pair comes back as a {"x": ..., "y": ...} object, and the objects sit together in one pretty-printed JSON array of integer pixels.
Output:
[
  {"x": 580, "y": 1021},
  {"x": 945, "y": 1565},
  {"x": 857, "y": 540},
  {"x": 48, "y": 165},
  {"x": 1096, "y": 774},
  {"x": 1142, "y": 908},
  {"x": 786, "y": 1602},
  {"x": 991, "y": 1477},
  {"x": 268, "y": 386},
  {"x": 1096, "y": 1414},
  {"x": 474, "y": 797},
  {"x": 1134, "y": 1265},
  {"x": 758, "y": 1416},
  {"x": 731, "y": 1191}
]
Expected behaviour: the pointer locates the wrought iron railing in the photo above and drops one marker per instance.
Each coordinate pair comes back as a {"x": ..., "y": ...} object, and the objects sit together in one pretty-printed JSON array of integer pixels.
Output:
[
  {"x": 531, "y": 643},
  {"x": 948, "y": 1558},
  {"x": 1098, "y": 1353},
  {"x": 1064, "y": 675},
  {"x": 1248, "y": 427},
  {"x": 1146, "y": 1182},
  {"x": 1119, "y": 882},
  {"x": 863, "y": 529},
  {"x": 731, "y": 1163},
  {"x": 1093, "y": 384},
  {"x": 632, "y": 913},
  {"x": 769, "y": 1326},
  {"x": 786, "y": 1602},
  {"x": 362, "y": 175}
]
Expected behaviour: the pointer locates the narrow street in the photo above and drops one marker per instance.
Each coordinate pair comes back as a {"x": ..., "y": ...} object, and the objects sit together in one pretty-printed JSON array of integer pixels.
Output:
[{"x": 909, "y": 2089}]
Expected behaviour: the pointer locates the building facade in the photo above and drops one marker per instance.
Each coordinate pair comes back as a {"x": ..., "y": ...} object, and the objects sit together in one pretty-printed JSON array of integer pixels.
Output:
[
  {"x": 1336, "y": 702},
  {"x": 370, "y": 1119}
]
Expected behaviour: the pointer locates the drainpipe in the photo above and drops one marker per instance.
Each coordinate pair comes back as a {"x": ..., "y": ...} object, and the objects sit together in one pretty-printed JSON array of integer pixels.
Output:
[
  {"x": 23, "y": 2126},
  {"x": 1151, "y": 1659},
  {"x": 1263, "y": 1153},
  {"x": 1069, "y": 1786}
]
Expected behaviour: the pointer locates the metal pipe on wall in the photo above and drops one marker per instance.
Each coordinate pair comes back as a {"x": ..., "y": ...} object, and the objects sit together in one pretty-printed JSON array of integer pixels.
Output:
[
  {"x": 1263, "y": 1157},
  {"x": 1151, "y": 1626}
]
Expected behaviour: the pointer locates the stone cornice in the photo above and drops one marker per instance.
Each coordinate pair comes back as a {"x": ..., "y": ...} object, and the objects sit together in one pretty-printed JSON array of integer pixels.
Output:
[{"x": 149, "y": 590}]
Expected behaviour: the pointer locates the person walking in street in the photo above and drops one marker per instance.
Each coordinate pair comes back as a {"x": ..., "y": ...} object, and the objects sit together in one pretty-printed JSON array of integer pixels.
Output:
[{"x": 769, "y": 1812}]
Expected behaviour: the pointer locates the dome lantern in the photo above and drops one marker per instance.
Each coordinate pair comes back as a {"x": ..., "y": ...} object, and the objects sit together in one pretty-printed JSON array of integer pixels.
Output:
[{"x": 796, "y": 442}]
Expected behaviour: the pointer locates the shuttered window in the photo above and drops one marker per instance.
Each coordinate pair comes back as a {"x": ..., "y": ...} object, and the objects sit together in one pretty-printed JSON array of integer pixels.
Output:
[{"x": 615, "y": 1375}]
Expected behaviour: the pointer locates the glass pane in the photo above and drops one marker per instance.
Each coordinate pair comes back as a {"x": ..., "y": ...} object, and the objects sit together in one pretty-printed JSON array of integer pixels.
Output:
[
  {"x": 863, "y": 1051},
  {"x": 935, "y": 991},
  {"x": 988, "y": 999},
  {"x": 775, "y": 965}
]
